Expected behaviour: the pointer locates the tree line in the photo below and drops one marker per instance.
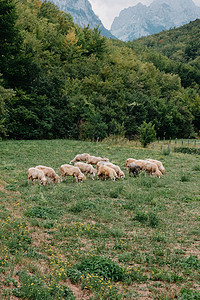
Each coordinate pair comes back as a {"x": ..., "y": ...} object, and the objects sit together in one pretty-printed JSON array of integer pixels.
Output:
[{"x": 58, "y": 80}]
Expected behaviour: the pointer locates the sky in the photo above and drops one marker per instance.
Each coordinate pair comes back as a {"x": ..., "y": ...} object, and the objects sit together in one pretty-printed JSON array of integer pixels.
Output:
[{"x": 107, "y": 10}]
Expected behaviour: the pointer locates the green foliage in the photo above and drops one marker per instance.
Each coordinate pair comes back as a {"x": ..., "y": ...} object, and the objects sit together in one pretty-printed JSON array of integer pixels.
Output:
[
  {"x": 12, "y": 59},
  {"x": 101, "y": 266},
  {"x": 147, "y": 133},
  {"x": 188, "y": 294},
  {"x": 33, "y": 287},
  {"x": 188, "y": 150},
  {"x": 16, "y": 236},
  {"x": 41, "y": 212},
  {"x": 5, "y": 96},
  {"x": 191, "y": 262},
  {"x": 162, "y": 275},
  {"x": 150, "y": 219},
  {"x": 71, "y": 82}
]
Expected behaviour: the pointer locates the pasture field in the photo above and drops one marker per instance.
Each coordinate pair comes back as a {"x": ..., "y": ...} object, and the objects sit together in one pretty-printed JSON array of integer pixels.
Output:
[{"x": 137, "y": 238}]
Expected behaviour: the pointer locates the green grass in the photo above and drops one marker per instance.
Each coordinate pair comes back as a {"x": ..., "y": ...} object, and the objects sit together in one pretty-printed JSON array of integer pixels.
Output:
[{"x": 98, "y": 239}]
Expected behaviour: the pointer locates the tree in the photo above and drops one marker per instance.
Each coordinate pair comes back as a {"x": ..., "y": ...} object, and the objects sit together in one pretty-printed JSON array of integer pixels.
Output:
[
  {"x": 11, "y": 60},
  {"x": 5, "y": 96},
  {"x": 147, "y": 133}
]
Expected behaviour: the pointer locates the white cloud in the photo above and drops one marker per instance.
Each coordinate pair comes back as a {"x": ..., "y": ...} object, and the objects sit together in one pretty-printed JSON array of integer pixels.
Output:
[{"x": 107, "y": 10}]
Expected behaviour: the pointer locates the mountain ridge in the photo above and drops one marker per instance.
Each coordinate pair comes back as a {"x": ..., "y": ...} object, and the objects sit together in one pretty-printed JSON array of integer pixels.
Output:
[
  {"x": 141, "y": 20},
  {"x": 83, "y": 14}
]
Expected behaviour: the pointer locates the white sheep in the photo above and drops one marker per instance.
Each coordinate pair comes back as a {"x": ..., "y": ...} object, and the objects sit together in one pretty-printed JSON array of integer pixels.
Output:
[
  {"x": 152, "y": 168},
  {"x": 139, "y": 162},
  {"x": 117, "y": 169},
  {"x": 106, "y": 172},
  {"x": 49, "y": 173},
  {"x": 93, "y": 160},
  {"x": 86, "y": 168},
  {"x": 35, "y": 174},
  {"x": 80, "y": 157},
  {"x": 158, "y": 163},
  {"x": 68, "y": 170},
  {"x": 129, "y": 161}
]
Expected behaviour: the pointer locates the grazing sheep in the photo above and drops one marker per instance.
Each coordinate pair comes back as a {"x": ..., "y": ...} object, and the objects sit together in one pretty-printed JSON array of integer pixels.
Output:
[
  {"x": 93, "y": 160},
  {"x": 135, "y": 169},
  {"x": 129, "y": 161},
  {"x": 152, "y": 168},
  {"x": 49, "y": 173},
  {"x": 158, "y": 163},
  {"x": 106, "y": 172},
  {"x": 80, "y": 157},
  {"x": 117, "y": 169},
  {"x": 34, "y": 174},
  {"x": 68, "y": 170},
  {"x": 86, "y": 168},
  {"x": 139, "y": 162},
  {"x": 121, "y": 174}
]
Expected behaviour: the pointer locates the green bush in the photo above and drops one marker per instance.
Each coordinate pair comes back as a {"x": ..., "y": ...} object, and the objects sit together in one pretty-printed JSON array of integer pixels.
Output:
[
  {"x": 33, "y": 287},
  {"x": 101, "y": 266},
  {"x": 147, "y": 133},
  {"x": 188, "y": 150},
  {"x": 187, "y": 294}
]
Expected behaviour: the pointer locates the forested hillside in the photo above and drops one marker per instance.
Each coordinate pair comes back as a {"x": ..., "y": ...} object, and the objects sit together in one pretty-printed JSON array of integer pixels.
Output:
[{"x": 62, "y": 81}]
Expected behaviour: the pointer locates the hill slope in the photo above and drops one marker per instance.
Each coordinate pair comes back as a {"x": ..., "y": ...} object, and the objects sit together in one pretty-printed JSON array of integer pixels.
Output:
[{"x": 64, "y": 81}]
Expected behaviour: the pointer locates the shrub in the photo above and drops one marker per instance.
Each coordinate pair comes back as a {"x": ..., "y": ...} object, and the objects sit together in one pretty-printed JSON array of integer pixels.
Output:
[
  {"x": 150, "y": 219},
  {"x": 187, "y": 294},
  {"x": 147, "y": 133},
  {"x": 101, "y": 266},
  {"x": 33, "y": 287},
  {"x": 187, "y": 150},
  {"x": 166, "y": 151},
  {"x": 42, "y": 212}
]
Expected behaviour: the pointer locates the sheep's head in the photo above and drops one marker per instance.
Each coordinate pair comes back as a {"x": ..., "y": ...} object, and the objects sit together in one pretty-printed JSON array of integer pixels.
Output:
[
  {"x": 121, "y": 174},
  {"x": 57, "y": 178},
  {"x": 44, "y": 181},
  {"x": 158, "y": 173},
  {"x": 128, "y": 161},
  {"x": 81, "y": 177}
]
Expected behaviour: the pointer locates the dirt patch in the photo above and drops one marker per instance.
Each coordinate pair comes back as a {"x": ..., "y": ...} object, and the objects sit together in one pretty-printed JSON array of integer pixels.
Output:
[
  {"x": 194, "y": 249},
  {"x": 2, "y": 186},
  {"x": 77, "y": 291},
  {"x": 39, "y": 237}
]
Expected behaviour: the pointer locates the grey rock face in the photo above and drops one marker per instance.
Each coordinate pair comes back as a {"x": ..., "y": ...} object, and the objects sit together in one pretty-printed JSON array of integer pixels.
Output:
[
  {"x": 82, "y": 13},
  {"x": 141, "y": 20}
]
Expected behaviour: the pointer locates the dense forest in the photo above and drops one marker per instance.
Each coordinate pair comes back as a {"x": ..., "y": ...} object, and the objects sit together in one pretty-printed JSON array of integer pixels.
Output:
[{"x": 58, "y": 80}]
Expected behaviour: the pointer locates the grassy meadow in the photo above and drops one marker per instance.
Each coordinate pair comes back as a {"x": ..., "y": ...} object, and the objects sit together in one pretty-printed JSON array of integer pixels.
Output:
[{"x": 137, "y": 238}]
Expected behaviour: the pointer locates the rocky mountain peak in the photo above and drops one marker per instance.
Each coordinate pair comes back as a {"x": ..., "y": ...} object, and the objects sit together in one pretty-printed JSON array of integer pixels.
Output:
[
  {"x": 82, "y": 13},
  {"x": 141, "y": 20}
]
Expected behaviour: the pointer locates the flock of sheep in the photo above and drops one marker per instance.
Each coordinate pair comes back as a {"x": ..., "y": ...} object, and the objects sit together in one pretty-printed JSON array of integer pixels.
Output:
[{"x": 83, "y": 164}]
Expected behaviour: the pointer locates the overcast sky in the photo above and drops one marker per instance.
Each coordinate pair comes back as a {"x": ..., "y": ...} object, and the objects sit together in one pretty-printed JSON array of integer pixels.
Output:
[{"x": 107, "y": 10}]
